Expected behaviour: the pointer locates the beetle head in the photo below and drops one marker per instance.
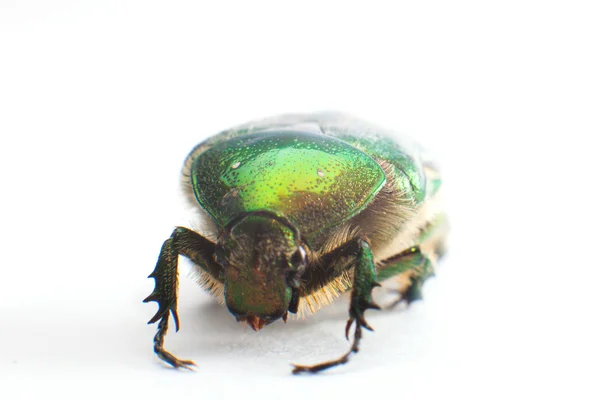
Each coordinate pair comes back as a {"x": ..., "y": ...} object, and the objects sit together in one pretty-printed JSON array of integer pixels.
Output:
[{"x": 263, "y": 260}]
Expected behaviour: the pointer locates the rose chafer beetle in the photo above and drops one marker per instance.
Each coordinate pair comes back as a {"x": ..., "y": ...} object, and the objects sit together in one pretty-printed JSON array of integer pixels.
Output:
[{"x": 301, "y": 208}]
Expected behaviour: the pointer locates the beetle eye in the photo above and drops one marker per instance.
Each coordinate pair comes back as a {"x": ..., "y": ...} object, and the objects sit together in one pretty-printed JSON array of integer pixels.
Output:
[
  {"x": 298, "y": 262},
  {"x": 299, "y": 258}
]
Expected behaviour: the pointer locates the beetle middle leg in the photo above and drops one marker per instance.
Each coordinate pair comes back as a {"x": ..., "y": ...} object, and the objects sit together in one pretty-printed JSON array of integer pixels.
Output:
[
  {"x": 364, "y": 281},
  {"x": 198, "y": 249},
  {"x": 416, "y": 263},
  {"x": 413, "y": 262}
]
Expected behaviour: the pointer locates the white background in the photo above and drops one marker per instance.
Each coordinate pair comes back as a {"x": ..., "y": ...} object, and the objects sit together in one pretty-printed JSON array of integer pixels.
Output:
[{"x": 101, "y": 101}]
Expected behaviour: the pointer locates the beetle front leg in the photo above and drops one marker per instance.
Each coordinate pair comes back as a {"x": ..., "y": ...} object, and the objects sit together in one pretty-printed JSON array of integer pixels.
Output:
[
  {"x": 190, "y": 244},
  {"x": 364, "y": 282}
]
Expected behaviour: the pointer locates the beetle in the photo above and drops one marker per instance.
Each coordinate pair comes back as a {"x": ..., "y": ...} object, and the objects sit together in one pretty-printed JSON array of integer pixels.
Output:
[{"x": 299, "y": 209}]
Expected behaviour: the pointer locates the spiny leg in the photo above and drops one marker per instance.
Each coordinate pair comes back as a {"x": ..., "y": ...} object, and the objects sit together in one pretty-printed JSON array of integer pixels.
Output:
[
  {"x": 190, "y": 244},
  {"x": 165, "y": 294},
  {"x": 361, "y": 300}
]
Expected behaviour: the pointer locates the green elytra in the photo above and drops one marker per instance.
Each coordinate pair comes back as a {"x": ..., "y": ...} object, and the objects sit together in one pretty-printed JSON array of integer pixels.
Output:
[
  {"x": 315, "y": 180},
  {"x": 324, "y": 184}
]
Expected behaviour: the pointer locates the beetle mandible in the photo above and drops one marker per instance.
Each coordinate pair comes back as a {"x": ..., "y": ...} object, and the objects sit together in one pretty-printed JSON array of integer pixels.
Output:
[{"x": 303, "y": 208}]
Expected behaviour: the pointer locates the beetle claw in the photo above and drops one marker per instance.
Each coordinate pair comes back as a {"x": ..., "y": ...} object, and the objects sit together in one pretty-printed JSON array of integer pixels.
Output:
[{"x": 348, "y": 325}]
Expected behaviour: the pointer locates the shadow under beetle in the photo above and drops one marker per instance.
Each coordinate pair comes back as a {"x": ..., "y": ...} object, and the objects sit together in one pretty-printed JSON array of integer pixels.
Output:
[{"x": 303, "y": 208}]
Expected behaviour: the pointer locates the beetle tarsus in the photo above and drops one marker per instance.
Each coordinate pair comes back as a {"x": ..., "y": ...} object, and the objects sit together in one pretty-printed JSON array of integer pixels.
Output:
[
  {"x": 164, "y": 355},
  {"x": 313, "y": 369}
]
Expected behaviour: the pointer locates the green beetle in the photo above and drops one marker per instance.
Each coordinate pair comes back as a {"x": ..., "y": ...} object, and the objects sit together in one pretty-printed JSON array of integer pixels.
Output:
[{"x": 302, "y": 208}]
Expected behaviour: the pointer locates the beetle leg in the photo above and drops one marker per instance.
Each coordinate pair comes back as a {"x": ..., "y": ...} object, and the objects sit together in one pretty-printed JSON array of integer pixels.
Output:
[
  {"x": 190, "y": 244},
  {"x": 364, "y": 282},
  {"x": 418, "y": 265}
]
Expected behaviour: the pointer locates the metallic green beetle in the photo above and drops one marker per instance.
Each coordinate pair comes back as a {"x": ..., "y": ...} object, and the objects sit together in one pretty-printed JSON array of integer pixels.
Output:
[{"x": 300, "y": 209}]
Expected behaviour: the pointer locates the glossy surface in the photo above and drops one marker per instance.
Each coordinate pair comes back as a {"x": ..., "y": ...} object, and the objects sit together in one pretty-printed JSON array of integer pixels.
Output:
[{"x": 315, "y": 180}]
